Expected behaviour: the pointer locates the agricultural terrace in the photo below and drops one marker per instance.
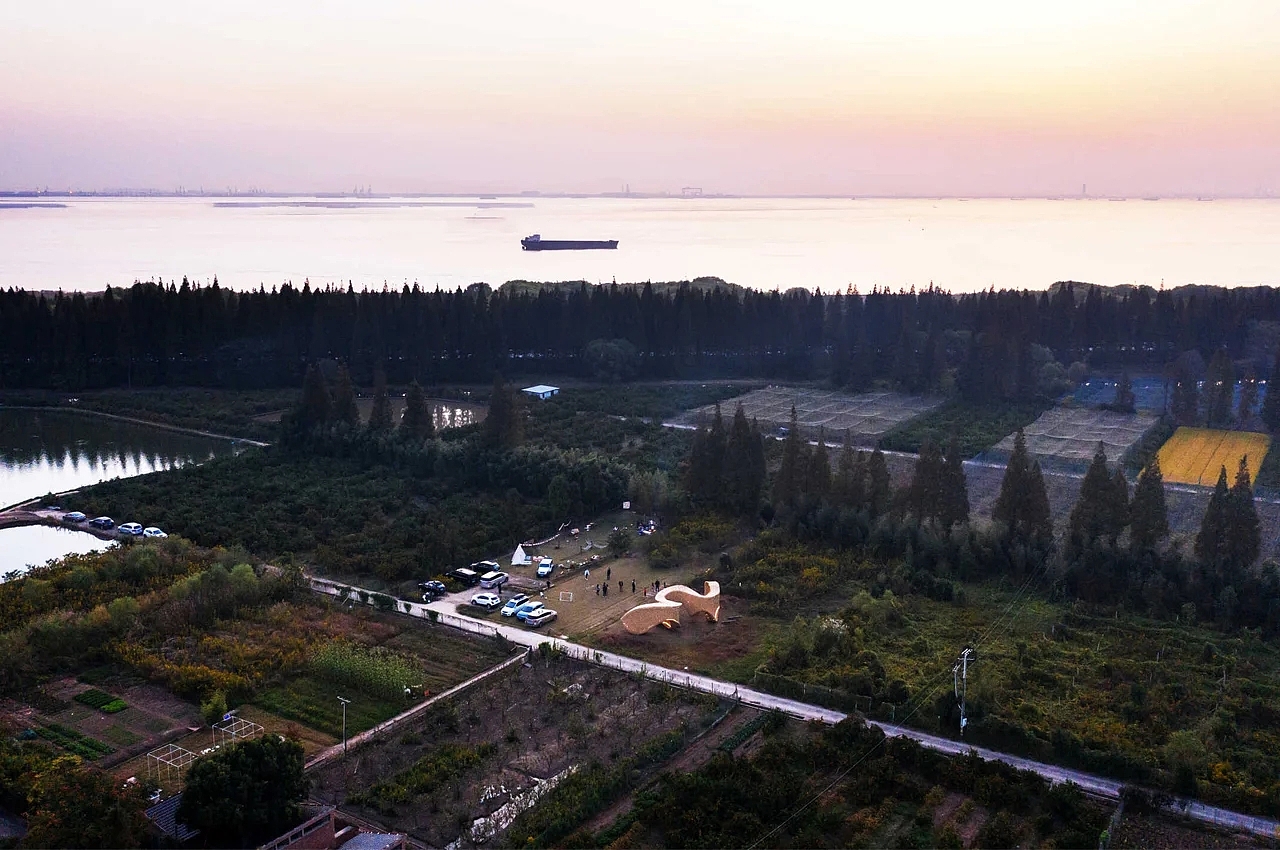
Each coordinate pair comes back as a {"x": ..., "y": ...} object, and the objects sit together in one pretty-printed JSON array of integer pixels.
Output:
[
  {"x": 1197, "y": 455},
  {"x": 866, "y": 417},
  {"x": 1069, "y": 436}
]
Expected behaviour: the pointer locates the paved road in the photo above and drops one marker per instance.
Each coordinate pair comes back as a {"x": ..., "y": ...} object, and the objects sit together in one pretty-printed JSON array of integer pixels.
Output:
[{"x": 445, "y": 611}]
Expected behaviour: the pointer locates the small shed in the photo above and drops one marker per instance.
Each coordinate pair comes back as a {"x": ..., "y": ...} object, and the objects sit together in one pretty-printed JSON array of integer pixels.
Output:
[
  {"x": 520, "y": 558},
  {"x": 541, "y": 392}
]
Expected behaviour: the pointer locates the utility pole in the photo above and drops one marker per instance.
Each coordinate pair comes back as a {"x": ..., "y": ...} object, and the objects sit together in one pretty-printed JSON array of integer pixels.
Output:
[
  {"x": 960, "y": 679},
  {"x": 344, "y": 723}
]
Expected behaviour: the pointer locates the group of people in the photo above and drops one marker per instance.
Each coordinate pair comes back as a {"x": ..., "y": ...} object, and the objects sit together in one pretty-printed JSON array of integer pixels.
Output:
[{"x": 602, "y": 588}]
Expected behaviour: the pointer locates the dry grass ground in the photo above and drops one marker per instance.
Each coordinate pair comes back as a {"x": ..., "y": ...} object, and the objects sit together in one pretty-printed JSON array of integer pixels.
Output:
[
  {"x": 866, "y": 417},
  {"x": 1070, "y": 435},
  {"x": 1197, "y": 455}
]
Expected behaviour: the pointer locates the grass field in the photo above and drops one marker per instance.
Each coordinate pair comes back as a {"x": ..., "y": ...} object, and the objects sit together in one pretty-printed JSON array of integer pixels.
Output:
[{"x": 1196, "y": 455}]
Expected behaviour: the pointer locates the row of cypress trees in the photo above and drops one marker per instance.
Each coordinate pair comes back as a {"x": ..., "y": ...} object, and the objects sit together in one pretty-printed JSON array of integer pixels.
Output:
[{"x": 322, "y": 405}]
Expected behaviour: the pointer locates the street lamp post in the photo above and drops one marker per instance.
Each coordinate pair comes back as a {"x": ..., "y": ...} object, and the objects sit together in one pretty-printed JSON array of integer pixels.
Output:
[{"x": 344, "y": 723}]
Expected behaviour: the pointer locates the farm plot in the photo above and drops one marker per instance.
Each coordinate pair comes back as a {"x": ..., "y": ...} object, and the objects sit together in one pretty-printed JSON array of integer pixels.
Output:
[
  {"x": 464, "y": 770},
  {"x": 1067, "y": 436},
  {"x": 866, "y": 417},
  {"x": 1197, "y": 455}
]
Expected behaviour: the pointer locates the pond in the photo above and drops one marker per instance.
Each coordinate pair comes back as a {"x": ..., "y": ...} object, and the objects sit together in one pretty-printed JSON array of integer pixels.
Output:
[
  {"x": 53, "y": 451},
  {"x": 34, "y": 545}
]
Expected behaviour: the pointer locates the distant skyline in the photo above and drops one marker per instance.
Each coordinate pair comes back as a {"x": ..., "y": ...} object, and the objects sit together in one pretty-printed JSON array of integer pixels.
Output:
[{"x": 1174, "y": 98}]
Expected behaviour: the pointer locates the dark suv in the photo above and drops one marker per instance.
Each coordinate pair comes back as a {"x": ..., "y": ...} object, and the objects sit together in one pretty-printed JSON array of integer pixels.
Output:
[
  {"x": 103, "y": 522},
  {"x": 432, "y": 590}
]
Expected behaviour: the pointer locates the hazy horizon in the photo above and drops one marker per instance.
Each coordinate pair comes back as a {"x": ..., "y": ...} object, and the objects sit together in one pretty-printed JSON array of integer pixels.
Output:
[{"x": 923, "y": 99}]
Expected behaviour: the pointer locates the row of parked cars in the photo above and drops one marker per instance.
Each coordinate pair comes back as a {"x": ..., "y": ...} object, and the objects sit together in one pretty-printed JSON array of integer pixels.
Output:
[
  {"x": 531, "y": 612},
  {"x": 106, "y": 523}
]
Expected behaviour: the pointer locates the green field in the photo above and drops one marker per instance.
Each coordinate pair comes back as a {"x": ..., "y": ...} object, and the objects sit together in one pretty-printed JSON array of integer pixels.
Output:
[{"x": 977, "y": 426}]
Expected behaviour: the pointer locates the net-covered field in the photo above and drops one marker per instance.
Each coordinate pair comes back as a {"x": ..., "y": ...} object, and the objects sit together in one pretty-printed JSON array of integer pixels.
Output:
[
  {"x": 1070, "y": 435},
  {"x": 1197, "y": 455},
  {"x": 866, "y": 417}
]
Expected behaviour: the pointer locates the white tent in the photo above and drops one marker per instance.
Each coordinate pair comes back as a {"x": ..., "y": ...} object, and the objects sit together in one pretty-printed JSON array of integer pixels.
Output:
[{"x": 520, "y": 558}]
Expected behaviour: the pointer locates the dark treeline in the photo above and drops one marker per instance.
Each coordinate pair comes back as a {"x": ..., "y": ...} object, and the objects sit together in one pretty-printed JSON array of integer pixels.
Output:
[
  {"x": 992, "y": 345},
  {"x": 1115, "y": 551}
]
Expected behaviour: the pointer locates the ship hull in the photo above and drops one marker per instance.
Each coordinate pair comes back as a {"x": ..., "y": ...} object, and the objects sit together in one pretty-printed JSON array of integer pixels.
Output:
[{"x": 568, "y": 245}]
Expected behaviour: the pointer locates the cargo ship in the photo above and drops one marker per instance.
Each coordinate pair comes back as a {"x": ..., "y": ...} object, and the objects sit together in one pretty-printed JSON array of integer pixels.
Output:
[{"x": 537, "y": 243}]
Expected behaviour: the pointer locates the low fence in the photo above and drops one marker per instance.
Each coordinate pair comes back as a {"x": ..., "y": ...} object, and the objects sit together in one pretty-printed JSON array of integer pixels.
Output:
[{"x": 387, "y": 725}]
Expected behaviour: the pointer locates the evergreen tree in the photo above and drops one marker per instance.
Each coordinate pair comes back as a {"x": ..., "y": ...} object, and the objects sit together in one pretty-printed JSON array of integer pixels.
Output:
[
  {"x": 1211, "y": 541},
  {"x": 817, "y": 482},
  {"x": 743, "y": 465},
  {"x": 1125, "y": 401},
  {"x": 859, "y": 485},
  {"x": 1118, "y": 508},
  {"x": 758, "y": 469},
  {"x": 878, "y": 494},
  {"x": 786, "y": 483},
  {"x": 705, "y": 477},
  {"x": 1219, "y": 390},
  {"x": 314, "y": 406},
  {"x": 416, "y": 423},
  {"x": 1091, "y": 517},
  {"x": 380, "y": 416},
  {"x": 842, "y": 486},
  {"x": 1271, "y": 401},
  {"x": 1149, "y": 513},
  {"x": 1023, "y": 503},
  {"x": 1248, "y": 399},
  {"x": 955, "y": 487},
  {"x": 345, "y": 410},
  {"x": 504, "y": 426},
  {"x": 1243, "y": 538},
  {"x": 1185, "y": 404},
  {"x": 1038, "y": 517},
  {"x": 925, "y": 492}
]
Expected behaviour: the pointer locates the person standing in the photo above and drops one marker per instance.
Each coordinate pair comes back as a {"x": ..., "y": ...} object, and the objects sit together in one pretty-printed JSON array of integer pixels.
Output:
[{"x": 633, "y": 585}]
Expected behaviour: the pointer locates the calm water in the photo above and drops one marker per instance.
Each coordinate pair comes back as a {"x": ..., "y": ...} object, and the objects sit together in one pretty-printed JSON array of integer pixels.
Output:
[
  {"x": 34, "y": 545},
  {"x": 55, "y": 451},
  {"x": 764, "y": 243}
]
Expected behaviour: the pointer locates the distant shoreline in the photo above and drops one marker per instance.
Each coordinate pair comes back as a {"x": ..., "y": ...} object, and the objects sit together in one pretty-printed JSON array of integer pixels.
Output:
[{"x": 534, "y": 195}]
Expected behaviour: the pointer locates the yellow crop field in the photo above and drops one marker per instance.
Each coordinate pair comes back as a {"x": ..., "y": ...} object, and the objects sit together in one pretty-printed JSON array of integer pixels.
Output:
[{"x": 1196, "y": 455}]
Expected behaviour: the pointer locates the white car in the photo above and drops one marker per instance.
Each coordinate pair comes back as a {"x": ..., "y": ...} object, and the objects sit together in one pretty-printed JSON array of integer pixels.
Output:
[
  {"x": 513, "y": 603},
  {"x": 152, "y": 531},
  {"x": 545, "y": 568},
  {"x": 487, "y": 600},
  {"x": 132, "y": 528},
  {"x": 493, "y": 580}
]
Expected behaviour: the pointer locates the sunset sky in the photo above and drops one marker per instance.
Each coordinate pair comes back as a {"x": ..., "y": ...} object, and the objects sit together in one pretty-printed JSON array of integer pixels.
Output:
[{"x": 900, "y": 98}]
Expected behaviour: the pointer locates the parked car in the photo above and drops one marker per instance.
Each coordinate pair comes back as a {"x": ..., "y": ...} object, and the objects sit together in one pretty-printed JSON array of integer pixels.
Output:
[
  {"x": 545, "y": 568},
  {"x": 528, "y": 608},
  {"x": 74, "y": 516},
  {"x": 470, "y": 578},
  {"x": 432, "y": 589},
  {"x": 537, "y": 618},
  {"x": 513, "y": 603},
  {"x": 493, "y": 580},
  {"x": 132, "y": 528},
  {"x": 483, "y": 567},
  {"x": 487, "y": 601},
  {"x": 152, "y": 531},
  {"x": 103, "y": 522}
]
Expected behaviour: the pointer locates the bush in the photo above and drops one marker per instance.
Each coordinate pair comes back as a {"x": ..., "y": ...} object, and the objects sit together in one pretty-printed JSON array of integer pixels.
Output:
[{"x": 214, "y": 708}]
